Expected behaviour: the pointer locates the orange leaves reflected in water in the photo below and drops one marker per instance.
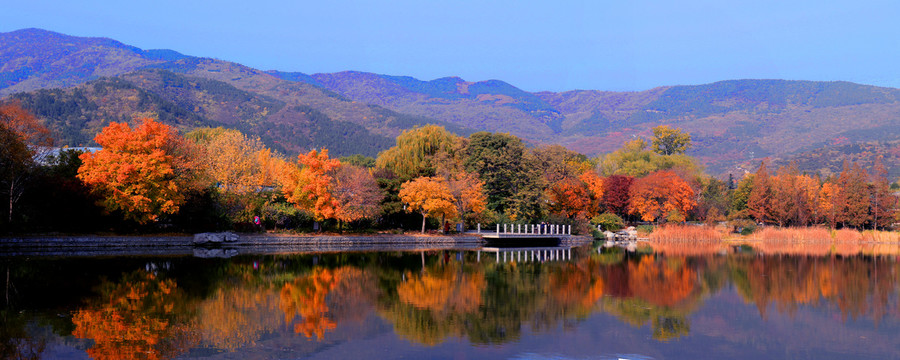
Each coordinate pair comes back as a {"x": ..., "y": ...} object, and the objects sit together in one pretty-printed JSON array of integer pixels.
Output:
[
  {"x": 443, "y": 290},
  {"x": 306, "y": 297},
  {"x": 663, "y": 283},
  {"x": 134, "y": 320}
]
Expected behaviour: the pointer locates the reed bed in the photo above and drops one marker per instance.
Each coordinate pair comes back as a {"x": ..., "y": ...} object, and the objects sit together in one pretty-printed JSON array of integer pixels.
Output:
[
  {"x": 681, "y": 234},
  {"x": 847, "y": 236},
  {"x": 796, "y": 235},
  {"x": 794, "y": 241},
  {"x": 687, "y": 240},
  {"x": 881, "y": 236},
  {"x": 813, "y": 241}
]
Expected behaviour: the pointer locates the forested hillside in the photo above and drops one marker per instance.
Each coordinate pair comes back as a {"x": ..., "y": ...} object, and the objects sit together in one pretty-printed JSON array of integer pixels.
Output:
[{"x": 734, "y": 124}]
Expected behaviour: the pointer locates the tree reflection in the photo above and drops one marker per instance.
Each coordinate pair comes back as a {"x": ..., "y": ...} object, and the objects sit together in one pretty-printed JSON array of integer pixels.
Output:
[
  {"x": 134, "y": 319},
  {"x": 149, "y": 315}
]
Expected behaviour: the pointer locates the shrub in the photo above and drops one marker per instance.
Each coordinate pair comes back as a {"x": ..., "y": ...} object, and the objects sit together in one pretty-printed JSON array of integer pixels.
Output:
[{"x": 608, "y": 221}]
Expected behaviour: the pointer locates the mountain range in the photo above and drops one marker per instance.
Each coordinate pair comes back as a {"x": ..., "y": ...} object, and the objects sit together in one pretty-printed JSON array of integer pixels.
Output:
[{"x": 77, "y": 85}]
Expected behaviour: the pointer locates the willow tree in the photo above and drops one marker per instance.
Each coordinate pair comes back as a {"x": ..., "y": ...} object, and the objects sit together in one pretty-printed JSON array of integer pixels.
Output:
[{"x": 419, "y": 151}]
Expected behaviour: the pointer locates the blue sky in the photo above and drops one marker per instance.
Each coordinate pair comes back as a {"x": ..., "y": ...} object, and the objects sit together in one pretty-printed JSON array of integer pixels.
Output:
[{"x": 547, "y": 45}]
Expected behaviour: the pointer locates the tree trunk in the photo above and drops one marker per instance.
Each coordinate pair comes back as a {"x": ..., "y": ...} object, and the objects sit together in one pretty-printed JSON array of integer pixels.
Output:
[{"x": 423, "y": 223}]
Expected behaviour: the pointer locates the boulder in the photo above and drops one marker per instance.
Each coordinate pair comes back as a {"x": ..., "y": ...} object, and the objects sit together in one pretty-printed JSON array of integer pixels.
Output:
[{"x": 215, "y": 238}]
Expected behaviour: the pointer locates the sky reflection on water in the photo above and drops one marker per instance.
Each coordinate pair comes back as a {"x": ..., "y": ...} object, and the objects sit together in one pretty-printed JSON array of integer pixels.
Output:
[{"x": 453, "y": 304}]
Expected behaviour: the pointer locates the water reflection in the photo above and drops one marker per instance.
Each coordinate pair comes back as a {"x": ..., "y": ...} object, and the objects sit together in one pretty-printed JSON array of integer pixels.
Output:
[{"x": 123, "y": 308}]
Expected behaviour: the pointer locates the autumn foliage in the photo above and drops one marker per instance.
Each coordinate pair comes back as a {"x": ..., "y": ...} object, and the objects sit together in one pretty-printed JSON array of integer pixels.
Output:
[
  {"x": 356, "y": 192},
  {"x": 311, "y": 188},
  {"x": 661, "y": 194},
  {"x": 854, "y": 198},
  {"x": 142, "y": 172},
  {"x": 429, "y": 196},
  {"x": 134, "y": 320}
]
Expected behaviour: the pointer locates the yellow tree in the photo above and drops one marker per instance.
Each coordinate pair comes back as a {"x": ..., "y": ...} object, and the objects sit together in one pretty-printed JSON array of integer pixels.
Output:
[
  {"x": 668, "y": 141},
  {"x": 235, "y": 162},
  {"x": 311, "y": 188},
  {"x": 828, "y": 202},
  {"x": 428, "y": 196},
  {"x": 662, "y": 193},
  {"x": 143, "y": 172}
]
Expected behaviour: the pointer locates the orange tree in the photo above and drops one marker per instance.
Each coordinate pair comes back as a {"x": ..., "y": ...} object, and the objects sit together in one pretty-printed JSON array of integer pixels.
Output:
[
  {"x": 142, "y": 172},
  {"x": 311, "y": 188},
  {"x": 662, "y": 193},
  {"x": 570, "y": 198},
  {"x": 428, "y": 196}
]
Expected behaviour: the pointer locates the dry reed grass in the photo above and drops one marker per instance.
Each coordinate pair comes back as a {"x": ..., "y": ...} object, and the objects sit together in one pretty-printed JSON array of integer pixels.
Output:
[
  {"x": 812, "y": 241},
  {"x": 881, "y": 236},
  {"x": 687, "y": 240},
  {"x": 687, "y": 234},
  {"x": 847, "y": 236}
]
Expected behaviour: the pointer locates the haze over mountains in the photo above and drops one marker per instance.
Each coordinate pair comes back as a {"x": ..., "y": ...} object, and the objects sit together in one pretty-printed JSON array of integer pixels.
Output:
[{"x": 80, "y": 84}]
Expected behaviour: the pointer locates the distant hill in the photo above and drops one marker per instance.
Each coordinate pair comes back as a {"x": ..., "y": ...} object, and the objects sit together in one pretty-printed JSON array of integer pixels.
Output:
[
  {"x": 35, "y": 59},
  {"x": 733, "y": 123},
  {"x": 76, "y": 114}
]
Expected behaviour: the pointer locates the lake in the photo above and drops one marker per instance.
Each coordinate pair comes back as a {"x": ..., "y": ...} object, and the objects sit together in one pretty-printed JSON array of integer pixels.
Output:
[{"x": 580, "y": 303}]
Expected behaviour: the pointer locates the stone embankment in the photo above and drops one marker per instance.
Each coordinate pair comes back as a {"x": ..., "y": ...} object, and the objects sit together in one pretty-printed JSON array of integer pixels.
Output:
[{"x": 244, "y": 244}]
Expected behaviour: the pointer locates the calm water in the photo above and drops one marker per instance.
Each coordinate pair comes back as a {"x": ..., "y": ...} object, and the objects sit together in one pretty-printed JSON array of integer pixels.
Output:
[{"x": 452, "y": 304}]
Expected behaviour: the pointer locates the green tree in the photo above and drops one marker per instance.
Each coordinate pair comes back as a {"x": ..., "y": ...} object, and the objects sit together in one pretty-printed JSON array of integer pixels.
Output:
[
  {"x": 511, "y": 179},
  {"x": 669, "y": 141},
  {"x": 740, "y": 196}
]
